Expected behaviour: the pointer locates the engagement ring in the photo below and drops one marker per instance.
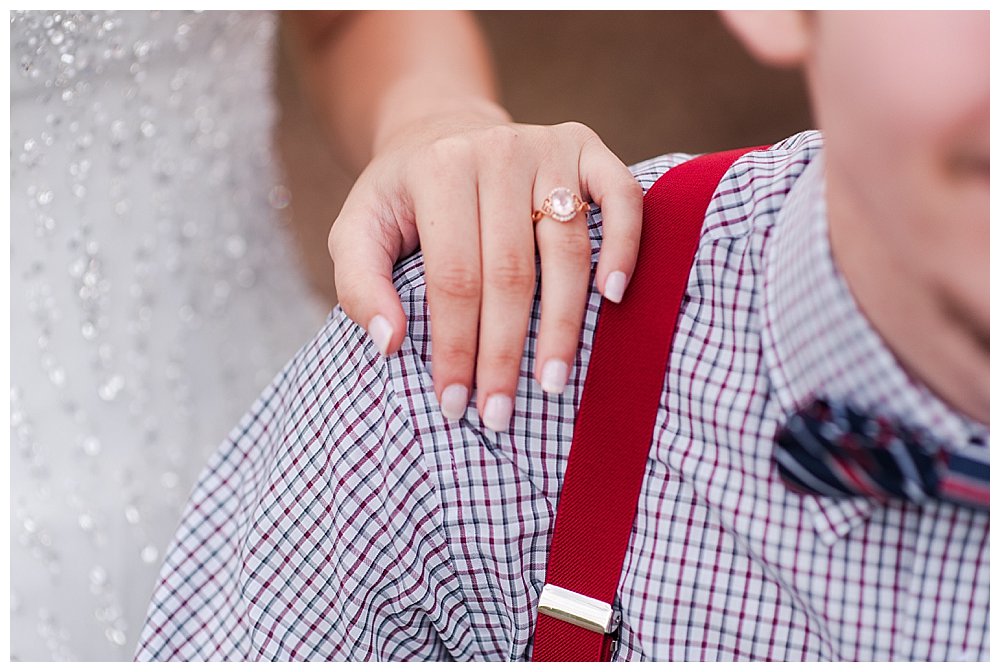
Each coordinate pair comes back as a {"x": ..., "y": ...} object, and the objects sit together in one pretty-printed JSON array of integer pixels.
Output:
[{"x": 561, "y": 205}]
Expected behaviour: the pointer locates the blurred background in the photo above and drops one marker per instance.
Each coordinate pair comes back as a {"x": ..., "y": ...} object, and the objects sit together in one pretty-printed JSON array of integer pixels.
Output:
[{"x": 647, "y": 82}]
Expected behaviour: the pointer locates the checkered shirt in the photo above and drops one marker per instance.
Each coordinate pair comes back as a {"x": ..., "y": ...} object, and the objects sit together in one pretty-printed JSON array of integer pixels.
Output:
[{"x": 346, "y": 518}]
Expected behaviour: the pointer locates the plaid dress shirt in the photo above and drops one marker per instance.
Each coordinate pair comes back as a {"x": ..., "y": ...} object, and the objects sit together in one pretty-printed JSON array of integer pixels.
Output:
[{"x": 346, "y": 518}]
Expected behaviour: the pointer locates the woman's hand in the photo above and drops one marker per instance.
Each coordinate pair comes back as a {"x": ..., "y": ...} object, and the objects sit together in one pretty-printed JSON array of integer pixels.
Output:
[
  {"x": 463, "y": 184},
  {"x": 410, "y": 96}
]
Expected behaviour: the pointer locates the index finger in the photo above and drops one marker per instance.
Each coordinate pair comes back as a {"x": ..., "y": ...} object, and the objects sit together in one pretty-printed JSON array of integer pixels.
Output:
[{"x": 447, "y": 213}]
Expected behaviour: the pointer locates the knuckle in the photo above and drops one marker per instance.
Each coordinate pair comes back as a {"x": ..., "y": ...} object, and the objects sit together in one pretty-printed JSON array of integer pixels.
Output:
[
  {"x": 574, "y": 246},
  {"x": 455, "y": 352},
  {"x": 629, "y": 232},
  {"x": 619, "y": 250},
  {"x": 631, "y": 189},
  {"x": 503, "y": 359},
  {"x": 500, "y": 142},
  {"x": 452, "y": 151},
  {"x": 632, "y": 236},
  {"x": 335, "y": 238},
  {"x": 565, "y": 325},
  {"x": 568, "y": 244},
  {"x": 511, "y": 271},
  {"x": 578, "y": 130},
  {"x": 455, "y": 282},
  {"x": 348, "y": 295}
]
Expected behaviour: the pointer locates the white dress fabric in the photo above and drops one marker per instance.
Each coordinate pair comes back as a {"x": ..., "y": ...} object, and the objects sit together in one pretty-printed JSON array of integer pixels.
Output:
[{"x": 153, "y": 295}]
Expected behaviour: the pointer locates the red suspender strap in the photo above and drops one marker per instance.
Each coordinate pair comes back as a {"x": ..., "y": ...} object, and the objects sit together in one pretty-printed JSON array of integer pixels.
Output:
[{"x": 614, "y": 424}]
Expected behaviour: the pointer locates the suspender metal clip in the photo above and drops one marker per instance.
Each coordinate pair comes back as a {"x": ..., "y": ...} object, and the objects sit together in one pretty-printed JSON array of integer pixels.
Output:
[{"x": 580, "y": 610}]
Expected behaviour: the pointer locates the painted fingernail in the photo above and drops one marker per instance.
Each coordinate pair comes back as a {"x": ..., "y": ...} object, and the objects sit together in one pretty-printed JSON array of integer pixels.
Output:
[
  {"x": 614, "y": 286},
  {"x": 381, "y": 333},
  {"x": 496, "y": 415},
  {"x": 554, "y": 375},
  {"x": 454, "y": 401}
]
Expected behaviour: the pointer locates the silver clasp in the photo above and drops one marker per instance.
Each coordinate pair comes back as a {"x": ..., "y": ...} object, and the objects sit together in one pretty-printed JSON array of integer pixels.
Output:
[{"x": 580, "y": 610}]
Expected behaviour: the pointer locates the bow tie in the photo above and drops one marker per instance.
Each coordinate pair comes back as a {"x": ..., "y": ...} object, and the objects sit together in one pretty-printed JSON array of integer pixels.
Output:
[{"x": 832, "y": 450}]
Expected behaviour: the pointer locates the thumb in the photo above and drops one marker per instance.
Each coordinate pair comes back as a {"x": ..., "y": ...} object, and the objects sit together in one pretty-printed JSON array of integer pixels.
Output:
[{"x": 364, "y": 252}]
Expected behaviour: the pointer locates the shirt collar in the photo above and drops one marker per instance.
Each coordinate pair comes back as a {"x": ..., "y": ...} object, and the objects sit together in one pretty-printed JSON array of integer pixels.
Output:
[{"x": 817, "y": 342}]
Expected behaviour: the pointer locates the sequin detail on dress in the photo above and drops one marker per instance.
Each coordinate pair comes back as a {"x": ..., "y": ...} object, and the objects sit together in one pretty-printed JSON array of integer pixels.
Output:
[{"x": 153, "y": 294}]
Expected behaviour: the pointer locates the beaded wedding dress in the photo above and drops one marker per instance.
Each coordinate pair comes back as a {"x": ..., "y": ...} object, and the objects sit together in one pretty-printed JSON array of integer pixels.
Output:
[{"x": 153, "y": 294}]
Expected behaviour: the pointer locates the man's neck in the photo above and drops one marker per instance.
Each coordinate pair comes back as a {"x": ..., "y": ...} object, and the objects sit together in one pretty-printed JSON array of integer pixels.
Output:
[{"x": 941, "y": 352}]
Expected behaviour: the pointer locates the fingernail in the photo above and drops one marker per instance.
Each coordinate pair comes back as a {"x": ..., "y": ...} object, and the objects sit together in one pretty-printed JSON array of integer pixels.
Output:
[
  {"x": 381, "y": 333},
  {"x": 454, "y": 400},
  {"x": 614, "y": 286},
  {"x": 554, "y": 375},
  {"x": 496, "y": 415}
]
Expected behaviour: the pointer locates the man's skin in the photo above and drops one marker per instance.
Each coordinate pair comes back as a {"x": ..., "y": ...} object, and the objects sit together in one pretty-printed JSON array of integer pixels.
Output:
[{"x": 907, "y": 176}]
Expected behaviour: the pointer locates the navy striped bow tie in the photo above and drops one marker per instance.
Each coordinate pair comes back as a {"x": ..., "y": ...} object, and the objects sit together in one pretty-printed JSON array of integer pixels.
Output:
[{"x": 832, "y": 450}]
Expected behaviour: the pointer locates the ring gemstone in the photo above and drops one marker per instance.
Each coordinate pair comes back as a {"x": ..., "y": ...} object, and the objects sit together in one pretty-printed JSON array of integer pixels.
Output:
[{"x": 562, "y": 203}]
